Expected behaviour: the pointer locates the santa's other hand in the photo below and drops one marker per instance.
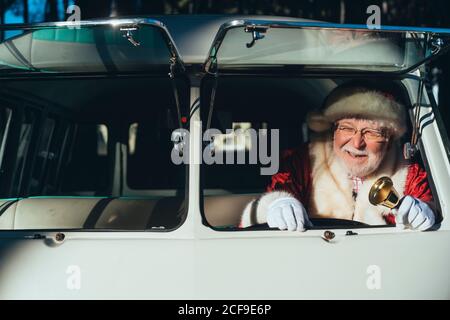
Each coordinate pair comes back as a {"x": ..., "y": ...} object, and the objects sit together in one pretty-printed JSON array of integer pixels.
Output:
[
  {"x": 288, "y": 213},
  {"x": 414, "y": 214}
]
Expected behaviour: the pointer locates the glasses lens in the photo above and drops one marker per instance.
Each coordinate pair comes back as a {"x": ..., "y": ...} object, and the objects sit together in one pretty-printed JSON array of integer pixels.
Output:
[
  {"x": 347, "y": 130},
  {"x": 373, "y": 134}
]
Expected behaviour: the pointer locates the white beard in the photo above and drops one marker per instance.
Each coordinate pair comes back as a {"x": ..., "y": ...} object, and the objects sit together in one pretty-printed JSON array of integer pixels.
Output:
[{"x": 373, "y": 161}]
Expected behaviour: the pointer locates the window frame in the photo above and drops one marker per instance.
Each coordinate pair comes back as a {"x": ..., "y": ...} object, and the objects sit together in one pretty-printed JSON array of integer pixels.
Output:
[
  {"x": 68, "y": 121},
  {"x": 375, "y": 229}
]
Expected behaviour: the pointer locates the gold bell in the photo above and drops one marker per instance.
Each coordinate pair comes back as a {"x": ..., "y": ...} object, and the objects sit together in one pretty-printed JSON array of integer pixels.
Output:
[{"x": 383, "y": 193}]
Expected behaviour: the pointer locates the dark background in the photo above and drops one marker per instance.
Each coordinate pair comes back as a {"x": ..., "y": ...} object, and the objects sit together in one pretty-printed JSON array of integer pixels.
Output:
[{"x": 422, "y": 13}]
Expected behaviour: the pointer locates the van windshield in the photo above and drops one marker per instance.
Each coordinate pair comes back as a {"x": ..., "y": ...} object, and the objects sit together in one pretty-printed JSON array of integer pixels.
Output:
[
  {"x": 320, "y": 45},
  {"x": 103, "y": 48}
]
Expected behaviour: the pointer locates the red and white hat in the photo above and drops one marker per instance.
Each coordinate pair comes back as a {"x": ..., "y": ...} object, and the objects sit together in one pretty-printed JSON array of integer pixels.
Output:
[{"x": 362, "y": 103}]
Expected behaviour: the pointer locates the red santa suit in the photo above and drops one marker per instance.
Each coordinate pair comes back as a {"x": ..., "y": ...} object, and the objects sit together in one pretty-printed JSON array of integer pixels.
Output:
[{"x": 315, "y": 176}]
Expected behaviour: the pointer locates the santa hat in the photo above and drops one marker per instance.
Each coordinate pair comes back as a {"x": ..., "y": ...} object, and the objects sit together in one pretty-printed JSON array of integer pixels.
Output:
[{"x": 361, "y": 103}]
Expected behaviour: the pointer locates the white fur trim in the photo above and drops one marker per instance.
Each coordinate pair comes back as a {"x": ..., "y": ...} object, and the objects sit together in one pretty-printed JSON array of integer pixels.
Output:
[
  {"x": 259, "y": 215},
  {"x": 331, "y": 195},
  {"x": 360, "y": 103},
  {"x": 331, "y": 192}
]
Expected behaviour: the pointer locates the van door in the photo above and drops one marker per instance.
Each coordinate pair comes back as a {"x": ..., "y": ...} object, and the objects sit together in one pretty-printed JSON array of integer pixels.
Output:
[{"x": 331, "y": 260}]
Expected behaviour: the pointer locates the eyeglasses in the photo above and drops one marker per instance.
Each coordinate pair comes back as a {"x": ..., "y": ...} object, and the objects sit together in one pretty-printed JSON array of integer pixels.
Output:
[{"x": 367, "y": 133}]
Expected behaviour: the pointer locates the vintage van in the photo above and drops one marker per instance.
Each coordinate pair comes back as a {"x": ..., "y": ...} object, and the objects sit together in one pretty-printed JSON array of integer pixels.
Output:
[{"x": 93, "y": 206}]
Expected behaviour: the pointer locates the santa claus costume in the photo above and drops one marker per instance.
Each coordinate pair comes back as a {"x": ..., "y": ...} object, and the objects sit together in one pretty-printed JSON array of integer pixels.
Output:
[{"x": 315, "y": 176}]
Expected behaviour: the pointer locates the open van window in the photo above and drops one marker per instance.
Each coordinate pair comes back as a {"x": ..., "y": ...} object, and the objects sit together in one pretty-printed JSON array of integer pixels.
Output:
[
  {"x": 279, "y": 106},
  {"x": 346, "y": 108}
]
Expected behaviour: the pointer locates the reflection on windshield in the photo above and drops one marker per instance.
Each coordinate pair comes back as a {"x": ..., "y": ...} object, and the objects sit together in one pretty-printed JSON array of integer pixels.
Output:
[
  {"x": 356, "y": 49},
  {"x": 87, "y": 49}
]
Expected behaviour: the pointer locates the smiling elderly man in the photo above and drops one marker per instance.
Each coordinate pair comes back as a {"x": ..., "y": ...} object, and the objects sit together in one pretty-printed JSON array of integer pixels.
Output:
[{"x": 356, "y": 142}]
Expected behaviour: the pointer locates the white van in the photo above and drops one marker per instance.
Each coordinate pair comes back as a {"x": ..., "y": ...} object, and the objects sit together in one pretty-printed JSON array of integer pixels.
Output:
[{"x": 94, "y": 207}]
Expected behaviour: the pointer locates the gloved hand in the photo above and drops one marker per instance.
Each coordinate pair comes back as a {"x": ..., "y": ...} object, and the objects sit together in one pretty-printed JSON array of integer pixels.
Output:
[
  {"x": 414, "y": 214},
  {"x": 288, "y": 213}
]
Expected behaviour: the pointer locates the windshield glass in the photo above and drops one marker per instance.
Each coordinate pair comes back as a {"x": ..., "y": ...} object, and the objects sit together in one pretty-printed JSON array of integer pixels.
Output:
[
  {"x": 104, "y": 48},
  {"x": 339, "y": 48}
]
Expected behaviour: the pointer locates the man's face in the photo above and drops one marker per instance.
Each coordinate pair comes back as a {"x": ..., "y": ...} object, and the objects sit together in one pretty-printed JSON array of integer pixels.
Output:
[{"x": 360, "y": 144}]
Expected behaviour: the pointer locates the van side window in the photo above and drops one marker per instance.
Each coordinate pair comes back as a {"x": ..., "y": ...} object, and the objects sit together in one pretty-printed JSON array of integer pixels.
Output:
[{"x": 91, "y": 158}]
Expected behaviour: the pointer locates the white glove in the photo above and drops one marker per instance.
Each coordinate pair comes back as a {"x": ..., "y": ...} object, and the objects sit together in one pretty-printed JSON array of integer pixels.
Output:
[
  {"x": 288, "y": 213},
  {"x": 414, "y": 214}
]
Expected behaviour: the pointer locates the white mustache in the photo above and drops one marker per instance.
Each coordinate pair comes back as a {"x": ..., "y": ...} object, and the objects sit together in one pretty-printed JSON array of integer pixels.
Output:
[{"x": 355, "y": 151}]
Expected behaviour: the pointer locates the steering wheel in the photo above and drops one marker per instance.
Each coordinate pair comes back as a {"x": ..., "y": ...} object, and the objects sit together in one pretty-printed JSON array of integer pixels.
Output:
[{"x": 318, "y": 224}]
